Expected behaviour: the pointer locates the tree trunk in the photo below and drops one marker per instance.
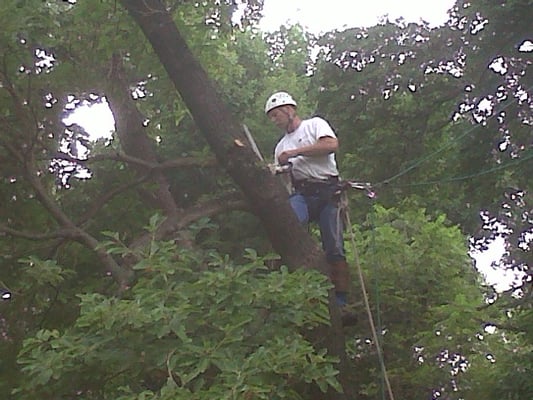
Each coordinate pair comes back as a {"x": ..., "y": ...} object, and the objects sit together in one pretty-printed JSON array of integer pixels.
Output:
[{"x": 227, "y": 140}]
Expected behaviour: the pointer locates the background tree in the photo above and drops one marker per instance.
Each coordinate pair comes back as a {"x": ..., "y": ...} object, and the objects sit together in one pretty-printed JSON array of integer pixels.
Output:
[
  {"x": 443, "y": 117},
  {"x": 77, "y": 214}
]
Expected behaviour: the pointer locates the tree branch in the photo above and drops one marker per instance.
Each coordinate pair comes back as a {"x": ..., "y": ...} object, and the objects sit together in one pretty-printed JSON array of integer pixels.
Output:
[
  {"x": 121, "y": 276},
  {"x": 122, "y": 157},
  {"x": 211, "y": 208},
  {"x": 102, "y": 201},
  {"x": 58, "y": 234},
  {"x": 175, "y": 223}
]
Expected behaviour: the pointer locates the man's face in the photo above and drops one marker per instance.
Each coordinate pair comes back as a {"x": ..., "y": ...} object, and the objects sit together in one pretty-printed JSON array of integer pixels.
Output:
[{"x": 280, "y": 116}]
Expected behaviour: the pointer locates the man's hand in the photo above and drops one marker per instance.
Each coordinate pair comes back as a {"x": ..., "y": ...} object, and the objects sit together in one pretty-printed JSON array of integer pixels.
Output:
[
  {"x": 276, "y": 169},
  {"x": 284, "y": 157}
]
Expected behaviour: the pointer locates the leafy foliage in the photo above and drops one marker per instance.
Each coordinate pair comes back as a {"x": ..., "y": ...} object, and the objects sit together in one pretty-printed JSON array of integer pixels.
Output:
[
  {"x": 426, "y": 295},
  {"x": 439, "y": 119},
  {"x": 192, "y": 326}
]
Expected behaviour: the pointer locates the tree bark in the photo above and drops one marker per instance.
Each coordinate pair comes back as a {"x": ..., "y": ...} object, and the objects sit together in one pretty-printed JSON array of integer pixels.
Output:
[{"x": 226, "y": 137}]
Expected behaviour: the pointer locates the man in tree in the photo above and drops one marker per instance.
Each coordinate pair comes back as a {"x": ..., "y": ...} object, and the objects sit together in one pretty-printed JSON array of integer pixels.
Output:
[{"x": 308, "y": 147}]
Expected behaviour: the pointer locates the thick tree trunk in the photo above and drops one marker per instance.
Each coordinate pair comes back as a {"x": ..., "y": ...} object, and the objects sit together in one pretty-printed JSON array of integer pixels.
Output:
[
  {"x": 225, "y": 135},
  {"x": 226, "y": 138}
]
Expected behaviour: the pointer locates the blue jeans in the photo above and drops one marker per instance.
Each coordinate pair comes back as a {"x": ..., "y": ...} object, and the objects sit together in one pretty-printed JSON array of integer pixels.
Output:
[{"x": 321, "y": 205}]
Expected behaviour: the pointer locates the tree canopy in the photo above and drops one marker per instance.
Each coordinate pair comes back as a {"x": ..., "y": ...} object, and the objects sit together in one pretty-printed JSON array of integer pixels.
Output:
[{"x": 165, "y": 262}]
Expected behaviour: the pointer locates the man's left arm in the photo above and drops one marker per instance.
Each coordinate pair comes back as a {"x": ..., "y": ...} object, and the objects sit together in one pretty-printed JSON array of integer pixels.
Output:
[{"x": 324, "y": 145}]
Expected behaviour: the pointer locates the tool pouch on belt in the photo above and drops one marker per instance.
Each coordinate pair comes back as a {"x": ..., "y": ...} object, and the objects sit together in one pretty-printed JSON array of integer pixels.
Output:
[{"x": 327, "y": 189}]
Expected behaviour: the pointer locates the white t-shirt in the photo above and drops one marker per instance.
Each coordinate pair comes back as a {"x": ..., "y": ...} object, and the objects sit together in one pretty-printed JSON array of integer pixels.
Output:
[{"x": 309, "y": 167}]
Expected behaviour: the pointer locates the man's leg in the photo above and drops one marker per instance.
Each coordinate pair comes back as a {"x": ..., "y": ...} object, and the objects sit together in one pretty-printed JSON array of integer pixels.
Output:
[
  {"x": 331, "y": 231},
  {"x": 299, "y": 206}
]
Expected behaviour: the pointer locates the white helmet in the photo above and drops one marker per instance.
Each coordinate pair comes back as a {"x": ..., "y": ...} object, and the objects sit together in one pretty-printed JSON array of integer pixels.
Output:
[{"x": 279, "y": 99}]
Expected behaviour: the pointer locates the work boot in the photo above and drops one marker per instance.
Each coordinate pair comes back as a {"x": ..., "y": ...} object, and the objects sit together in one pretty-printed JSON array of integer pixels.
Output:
[
  {"x": 340, "y": 277},
  {"x": 348, "y": 315}
]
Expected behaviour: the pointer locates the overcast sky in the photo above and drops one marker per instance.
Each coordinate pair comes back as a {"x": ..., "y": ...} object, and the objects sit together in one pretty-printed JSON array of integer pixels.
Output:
[{"x": 320, "y": 16}]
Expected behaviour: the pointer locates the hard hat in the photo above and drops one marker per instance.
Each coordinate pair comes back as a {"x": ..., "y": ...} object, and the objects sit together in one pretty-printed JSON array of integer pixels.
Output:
[{"x": 279, "y": 99}]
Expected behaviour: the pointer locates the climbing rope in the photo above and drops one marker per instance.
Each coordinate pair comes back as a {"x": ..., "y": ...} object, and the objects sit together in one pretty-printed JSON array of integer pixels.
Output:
[
  {"x": 452, "y": 142},
  {"x": 368, "y": 188},
  {"x": 370, "y": 193},
  {"x": 525, "y": 156},
  {"x": 361, "y": 277}
]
